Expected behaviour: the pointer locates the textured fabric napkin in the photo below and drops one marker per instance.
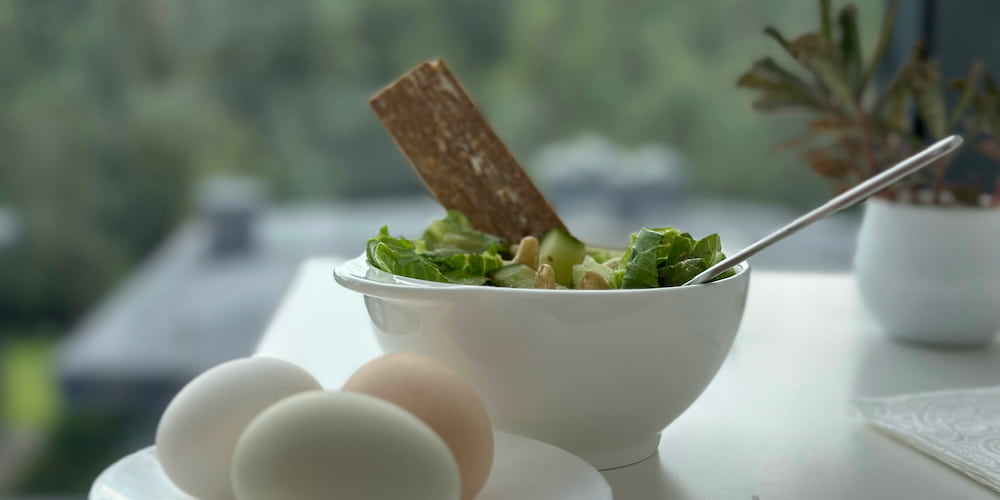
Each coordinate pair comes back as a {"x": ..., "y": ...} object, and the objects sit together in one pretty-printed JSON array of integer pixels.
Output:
[{"x": 961, "y": 427}]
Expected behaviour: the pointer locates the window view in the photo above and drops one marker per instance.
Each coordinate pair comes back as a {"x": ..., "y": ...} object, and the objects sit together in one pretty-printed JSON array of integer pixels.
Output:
[{"x": 168, "y": 164}]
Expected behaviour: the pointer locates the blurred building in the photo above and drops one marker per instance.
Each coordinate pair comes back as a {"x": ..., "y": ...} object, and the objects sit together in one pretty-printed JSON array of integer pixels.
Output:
[{"x": 593, "y": 171}]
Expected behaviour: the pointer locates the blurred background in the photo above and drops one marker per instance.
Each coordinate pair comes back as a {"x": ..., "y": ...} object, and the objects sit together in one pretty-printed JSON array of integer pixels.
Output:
[{"x": 166, "y": 164}]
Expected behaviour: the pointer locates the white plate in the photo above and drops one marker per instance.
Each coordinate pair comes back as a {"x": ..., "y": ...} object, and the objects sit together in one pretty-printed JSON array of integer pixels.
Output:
[{"x": 523, "y": 469}]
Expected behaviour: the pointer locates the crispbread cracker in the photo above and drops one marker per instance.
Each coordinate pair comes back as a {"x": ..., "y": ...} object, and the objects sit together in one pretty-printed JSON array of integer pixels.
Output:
[{"x": 460, "y": 159}]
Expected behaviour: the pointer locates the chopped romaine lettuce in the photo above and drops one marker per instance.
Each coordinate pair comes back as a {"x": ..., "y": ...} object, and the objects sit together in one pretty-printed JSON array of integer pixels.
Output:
[
  {"x": 681, "y": 248},
  {"x": 471, "y": 265},
  {"x": 640, "y": 263},
  {"x": 399, "y": 256},
  {"x": 452, "y": 251},
  {"x": 676, "y": 258},
  {"x": 603, "y": 255},
  {"x": 454, "y": 234},
  {"x": 707, "y": 247}
]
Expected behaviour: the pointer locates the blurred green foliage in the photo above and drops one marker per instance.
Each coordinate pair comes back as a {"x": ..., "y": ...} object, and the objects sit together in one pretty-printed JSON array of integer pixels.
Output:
[
  {"x": 114, "y": 109},
  {"x": 28, "y": 395},
  {"x": 78, "y": 450}
]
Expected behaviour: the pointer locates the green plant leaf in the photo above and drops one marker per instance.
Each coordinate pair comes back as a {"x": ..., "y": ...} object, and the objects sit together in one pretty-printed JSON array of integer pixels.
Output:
[
  {"x": 881, "y": 46},
  {"x": 834, "y": 125},
  {"x": 968, "y": 94},
  {"x": 817, "y": 56},
  {"x": 767, "y": 74},
  {"x": 778, "y": 37},
  {"x": 796, "y": 141},
  {"x": 850, "y": 48},
  {"x": 826, "y": 165},
  {"x": 892, "y": 101},
  {"x": 825, "y": 13},
  {"x": 772, "y": 100},
  {"x": 985, "y": 112},
  {"x": 929, "y": 96},
  {"x": 779, "y": 87}
]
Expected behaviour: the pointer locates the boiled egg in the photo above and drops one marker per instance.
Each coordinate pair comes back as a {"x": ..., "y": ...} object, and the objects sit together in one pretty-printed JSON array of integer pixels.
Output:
[
  {"x": 198, "y": 431},
  {"x": 342, "y": 446},
  {"x": 443, "y": 400}
]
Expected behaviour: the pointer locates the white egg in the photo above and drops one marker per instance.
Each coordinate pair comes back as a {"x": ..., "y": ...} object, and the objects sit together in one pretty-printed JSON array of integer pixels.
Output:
[
  {"x": 342, "y": 445},
  {"x": 200, "y": 427}
]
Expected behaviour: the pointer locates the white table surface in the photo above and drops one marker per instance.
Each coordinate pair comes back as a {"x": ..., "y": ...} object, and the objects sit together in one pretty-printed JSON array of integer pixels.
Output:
[{"x": 776, "y": 423}]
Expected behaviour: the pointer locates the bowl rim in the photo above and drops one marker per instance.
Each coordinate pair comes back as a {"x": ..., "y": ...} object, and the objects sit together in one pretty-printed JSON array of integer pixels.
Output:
[{"x": 358, "y": 275}]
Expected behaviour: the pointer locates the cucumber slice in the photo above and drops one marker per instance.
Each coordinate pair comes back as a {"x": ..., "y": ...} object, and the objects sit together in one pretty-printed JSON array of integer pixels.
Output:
[
  {"x": 562, "y": 251},
  {"x": 515, "y": 275}
]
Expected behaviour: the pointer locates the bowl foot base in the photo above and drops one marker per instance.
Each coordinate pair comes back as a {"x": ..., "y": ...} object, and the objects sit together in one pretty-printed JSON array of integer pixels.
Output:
[{"x": 622, "y": 455}]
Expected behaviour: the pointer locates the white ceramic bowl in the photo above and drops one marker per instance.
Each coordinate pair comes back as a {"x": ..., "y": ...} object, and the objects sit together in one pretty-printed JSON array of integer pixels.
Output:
[{"x": 597, "y": 373}]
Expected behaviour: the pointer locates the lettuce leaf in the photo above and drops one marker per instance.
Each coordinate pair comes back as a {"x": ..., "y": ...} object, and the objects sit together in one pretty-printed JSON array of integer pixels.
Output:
[
  {"x": 640, "y": 266},
  {"x": 667, "y": 257},
  {"x": 399, "y": 256},
  {"x": 468, "y": 269},
  {"x": 680, "y": 272},
  {"x": 439, "y": 260},
  {"x": 452, "y": 251},
  {"x": 454, "y": 234},
  {"x": 603, "y": 254},
  {"x": 687, "y": 258}
]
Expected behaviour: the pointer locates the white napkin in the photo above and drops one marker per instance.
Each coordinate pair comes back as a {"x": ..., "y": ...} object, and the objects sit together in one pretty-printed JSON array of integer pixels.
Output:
[{"x": 960, "y": 427}]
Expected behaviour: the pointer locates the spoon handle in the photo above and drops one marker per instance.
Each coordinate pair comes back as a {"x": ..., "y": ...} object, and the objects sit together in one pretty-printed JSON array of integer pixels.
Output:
[{"x": 844, "y": 200}]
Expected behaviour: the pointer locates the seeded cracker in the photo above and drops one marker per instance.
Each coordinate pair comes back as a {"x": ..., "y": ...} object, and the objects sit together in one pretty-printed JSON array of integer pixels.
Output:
[{"x": 460, "y": 159}]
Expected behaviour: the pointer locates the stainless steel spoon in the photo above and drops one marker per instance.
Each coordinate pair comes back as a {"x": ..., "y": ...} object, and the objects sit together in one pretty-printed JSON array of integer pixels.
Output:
[{"x": 837, "y": 203}]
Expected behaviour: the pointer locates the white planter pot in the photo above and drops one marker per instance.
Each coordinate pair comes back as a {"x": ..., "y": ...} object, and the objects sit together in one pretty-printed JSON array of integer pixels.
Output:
[{"x": 931, "y": 274}]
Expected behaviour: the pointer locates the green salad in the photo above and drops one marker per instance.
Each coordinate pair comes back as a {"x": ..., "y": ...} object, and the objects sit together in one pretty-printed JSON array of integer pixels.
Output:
[{"x": 452, "y": 251}]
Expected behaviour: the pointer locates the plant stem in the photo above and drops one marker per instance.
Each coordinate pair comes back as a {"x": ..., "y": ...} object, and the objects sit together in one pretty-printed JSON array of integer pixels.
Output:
[
  {"x": 825, "y": 24},
  {"x": 968, "y": 94},
  {"x": 868, "y": 141}
]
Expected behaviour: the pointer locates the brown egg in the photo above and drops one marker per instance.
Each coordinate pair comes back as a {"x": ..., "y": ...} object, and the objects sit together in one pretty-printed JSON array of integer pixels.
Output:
[{"x": 440, "y": 398}]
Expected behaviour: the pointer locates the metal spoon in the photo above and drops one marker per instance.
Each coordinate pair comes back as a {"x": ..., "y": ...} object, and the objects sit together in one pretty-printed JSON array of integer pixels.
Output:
[{"x": 837, "y": 203}]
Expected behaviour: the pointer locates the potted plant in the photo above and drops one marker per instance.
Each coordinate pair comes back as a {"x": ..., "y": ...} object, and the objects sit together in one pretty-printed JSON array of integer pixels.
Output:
[{"x": 928, "y": 256}]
